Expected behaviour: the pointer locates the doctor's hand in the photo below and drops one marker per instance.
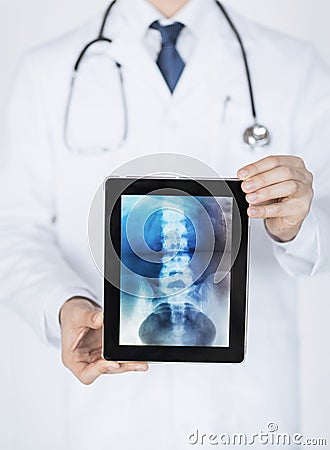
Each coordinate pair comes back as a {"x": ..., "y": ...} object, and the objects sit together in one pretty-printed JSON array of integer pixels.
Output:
[
  {"x": 279, "y": 190},
  {"x": 81, "y": 326}
]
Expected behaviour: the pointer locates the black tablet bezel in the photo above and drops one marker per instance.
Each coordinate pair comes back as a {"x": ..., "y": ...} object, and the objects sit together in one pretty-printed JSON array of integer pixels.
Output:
[{"x": 234, "y": 353}]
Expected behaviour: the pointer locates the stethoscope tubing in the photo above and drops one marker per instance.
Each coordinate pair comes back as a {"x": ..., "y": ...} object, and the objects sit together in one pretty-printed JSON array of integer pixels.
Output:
[{"x": 251, "y": 135}]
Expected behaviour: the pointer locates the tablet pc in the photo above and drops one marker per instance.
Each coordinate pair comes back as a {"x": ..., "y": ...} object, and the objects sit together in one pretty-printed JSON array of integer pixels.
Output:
[{"x": 175, "y": 270}]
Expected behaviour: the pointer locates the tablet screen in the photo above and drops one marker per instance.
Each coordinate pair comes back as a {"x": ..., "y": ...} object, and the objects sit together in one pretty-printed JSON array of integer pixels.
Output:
[{"x": 175, "y": 270}]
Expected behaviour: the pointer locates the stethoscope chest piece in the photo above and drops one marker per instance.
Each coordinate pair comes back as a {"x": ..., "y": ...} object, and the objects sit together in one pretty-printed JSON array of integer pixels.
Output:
[{"x": 257, "y": 136}]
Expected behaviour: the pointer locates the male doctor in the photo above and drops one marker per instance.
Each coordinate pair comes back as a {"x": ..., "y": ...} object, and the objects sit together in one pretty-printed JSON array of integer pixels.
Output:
[{"x": 199, "y": 107}]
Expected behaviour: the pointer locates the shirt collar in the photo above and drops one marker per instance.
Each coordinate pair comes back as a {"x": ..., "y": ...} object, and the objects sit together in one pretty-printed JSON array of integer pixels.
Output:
[
  {"x": 140, "y": 14},
  {"x": 195, "y": 15}
]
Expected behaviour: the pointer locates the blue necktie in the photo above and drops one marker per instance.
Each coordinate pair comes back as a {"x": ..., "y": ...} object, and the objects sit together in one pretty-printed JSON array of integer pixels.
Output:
[{"x": 169, "y": 61}]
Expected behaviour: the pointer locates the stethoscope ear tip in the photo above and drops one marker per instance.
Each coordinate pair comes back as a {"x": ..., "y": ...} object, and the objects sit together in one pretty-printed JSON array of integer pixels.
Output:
[{"x": 257, "y": 136}]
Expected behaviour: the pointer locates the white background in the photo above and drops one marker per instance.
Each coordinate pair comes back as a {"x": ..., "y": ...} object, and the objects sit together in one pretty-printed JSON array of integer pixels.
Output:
[{"x": 25, "y": 390}]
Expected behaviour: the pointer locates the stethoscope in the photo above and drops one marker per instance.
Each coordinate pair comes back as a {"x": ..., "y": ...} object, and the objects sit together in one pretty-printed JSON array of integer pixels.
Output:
[{"x": 256, "y": 136}]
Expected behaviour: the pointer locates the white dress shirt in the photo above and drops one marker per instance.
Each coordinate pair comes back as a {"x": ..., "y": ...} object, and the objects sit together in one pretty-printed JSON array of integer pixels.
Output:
[{"x": 186, "y": 40}]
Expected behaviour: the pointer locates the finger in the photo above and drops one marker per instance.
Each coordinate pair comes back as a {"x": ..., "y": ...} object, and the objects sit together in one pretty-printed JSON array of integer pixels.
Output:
[
  {"x": 76, "y": 341},
  {"x": 281, "y": 209},
  {"x": 87, "y": 373},
  {"x": 280, "y": 190},
  {"x": 132, "y": 367},
  {"x": 269, "y": 163},
  {"x": 91, "y": 340},
  {"x": 274, "y": 176},
  {"x": 73, "y": 334},
  {"x": 85, "y": 317}
]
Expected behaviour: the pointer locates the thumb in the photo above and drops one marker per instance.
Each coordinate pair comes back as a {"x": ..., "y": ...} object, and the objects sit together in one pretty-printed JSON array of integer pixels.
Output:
[{"x": 91, "y": 319}]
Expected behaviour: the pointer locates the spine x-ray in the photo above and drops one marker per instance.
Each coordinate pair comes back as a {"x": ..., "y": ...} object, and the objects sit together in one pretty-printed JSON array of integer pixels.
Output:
[{"x": 175, "y": 270}]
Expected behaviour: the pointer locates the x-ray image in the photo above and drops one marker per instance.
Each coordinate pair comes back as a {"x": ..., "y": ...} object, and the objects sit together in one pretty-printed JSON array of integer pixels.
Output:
[{"x": 175, "y": 271}]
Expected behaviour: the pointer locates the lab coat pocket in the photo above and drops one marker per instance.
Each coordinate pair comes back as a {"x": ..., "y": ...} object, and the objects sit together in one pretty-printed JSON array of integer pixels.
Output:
[{"x": 96, "y": 110}]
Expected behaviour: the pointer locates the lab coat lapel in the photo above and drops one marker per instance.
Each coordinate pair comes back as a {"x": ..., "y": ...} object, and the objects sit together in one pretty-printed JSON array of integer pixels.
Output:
[
  {"x": 195, "y": 69},
  {"x": 129, "y": 51},
  {"x": 208, "y": 55},
  {"x": 216, "y": 49},
  {"x": 212, "y": 50}
]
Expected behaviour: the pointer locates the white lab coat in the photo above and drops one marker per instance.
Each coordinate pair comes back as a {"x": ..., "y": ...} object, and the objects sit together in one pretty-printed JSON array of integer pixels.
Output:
[{"x": 46, "y": 192}]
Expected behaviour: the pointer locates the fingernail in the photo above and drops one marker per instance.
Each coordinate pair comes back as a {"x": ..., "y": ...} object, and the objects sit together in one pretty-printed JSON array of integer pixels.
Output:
[
  {"x": 140, "y": 367},
  {"x": 243, "y": 173},
  {"x": 252, "y": 197},
  {"x": 248, "y": 185},
  {"x": 113, "y": 365},
  {"x": 253, "y": 211},
  {"x": 97, "y": 317}
]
